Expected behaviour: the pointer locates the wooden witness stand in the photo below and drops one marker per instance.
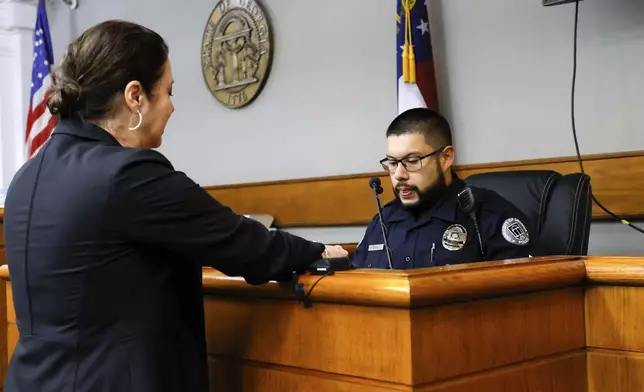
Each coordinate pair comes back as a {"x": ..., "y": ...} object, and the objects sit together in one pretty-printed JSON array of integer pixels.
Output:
[{"x": 567, "y": 324}]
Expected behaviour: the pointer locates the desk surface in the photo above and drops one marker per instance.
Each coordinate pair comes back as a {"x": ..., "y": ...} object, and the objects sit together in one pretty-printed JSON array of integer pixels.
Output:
[{"x": 426, "y": 286}]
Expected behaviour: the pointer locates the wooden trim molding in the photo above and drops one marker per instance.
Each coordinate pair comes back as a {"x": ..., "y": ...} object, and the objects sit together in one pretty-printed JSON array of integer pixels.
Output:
[
  {"x": 418, "y": 287},
  {"x": 422, "y": 287},
  {"x": 412, "y": 288},
  {"x": 615, "y": 271},
  {"x": 617, "y": 180}
]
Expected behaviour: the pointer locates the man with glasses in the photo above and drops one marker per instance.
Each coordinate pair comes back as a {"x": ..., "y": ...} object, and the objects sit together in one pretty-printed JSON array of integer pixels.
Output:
[{"x": 425, "y": 224}]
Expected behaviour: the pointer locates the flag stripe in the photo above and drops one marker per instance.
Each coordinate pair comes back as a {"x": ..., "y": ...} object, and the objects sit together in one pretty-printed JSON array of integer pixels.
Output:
[
  {"x": 34, "y": 114},
  {"x": 43, "y": 135},
  {"x": 40, "y": 122},
  {"x": 427, "y": 83},
  {"x": 39, "y": 125}
]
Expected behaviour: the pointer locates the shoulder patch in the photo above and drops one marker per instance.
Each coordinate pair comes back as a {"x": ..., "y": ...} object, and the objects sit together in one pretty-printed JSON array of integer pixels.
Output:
[{"x": 515, "y": 232}]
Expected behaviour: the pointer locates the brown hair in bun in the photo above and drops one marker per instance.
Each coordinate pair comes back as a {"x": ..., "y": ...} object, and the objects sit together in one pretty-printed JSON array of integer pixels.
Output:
[{"x": 100, "y": 63}]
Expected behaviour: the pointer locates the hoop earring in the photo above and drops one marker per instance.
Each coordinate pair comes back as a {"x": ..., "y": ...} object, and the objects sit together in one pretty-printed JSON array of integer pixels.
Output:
[{"x": 140, "y": 121}]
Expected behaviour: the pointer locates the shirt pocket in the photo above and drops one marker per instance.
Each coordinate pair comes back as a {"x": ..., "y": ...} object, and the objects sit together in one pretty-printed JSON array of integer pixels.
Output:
[
  {"x": 468, "y": 254},
  {"x": 377, "y": 256}
]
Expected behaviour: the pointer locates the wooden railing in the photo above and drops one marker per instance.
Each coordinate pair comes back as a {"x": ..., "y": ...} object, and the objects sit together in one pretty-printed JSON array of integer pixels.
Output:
[
  {"x": 570, "y": 324},
  {"x": 617, "y": 180}
]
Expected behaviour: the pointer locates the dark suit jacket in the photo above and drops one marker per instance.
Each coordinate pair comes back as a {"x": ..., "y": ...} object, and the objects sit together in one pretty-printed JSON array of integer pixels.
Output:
[{"x": 105, "y": 246}]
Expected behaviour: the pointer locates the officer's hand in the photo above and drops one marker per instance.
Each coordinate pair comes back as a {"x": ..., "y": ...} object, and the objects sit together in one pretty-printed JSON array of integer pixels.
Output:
[{"x": 332, "y": 251}]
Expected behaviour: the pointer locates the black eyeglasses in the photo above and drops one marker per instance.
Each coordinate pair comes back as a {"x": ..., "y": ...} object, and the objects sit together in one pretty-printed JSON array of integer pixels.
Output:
[{"x": 411, "y": 163}]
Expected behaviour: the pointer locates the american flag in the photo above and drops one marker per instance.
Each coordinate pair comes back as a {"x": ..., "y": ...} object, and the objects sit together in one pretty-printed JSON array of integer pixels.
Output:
[
  {"x": 40, "y": 122},
  {"x": 414, "y": 54}
]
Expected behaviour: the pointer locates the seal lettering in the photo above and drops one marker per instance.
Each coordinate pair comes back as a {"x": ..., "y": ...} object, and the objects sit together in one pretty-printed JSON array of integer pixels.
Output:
[
  {"x": 223, "y": 6},
  {"x": 237, "y": 98}
]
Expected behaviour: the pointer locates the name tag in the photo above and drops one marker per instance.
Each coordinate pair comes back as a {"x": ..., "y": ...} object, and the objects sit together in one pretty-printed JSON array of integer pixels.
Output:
[{"x": 376, "y": 247}]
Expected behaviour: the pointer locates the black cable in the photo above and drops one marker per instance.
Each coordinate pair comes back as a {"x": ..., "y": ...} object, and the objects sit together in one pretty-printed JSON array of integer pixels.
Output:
[
  {"x": 299, "y": 289},
  {"x": 574, "y": 84},
  {"x": 574, "y": 126},
  {"x": 318, "y": 281}
]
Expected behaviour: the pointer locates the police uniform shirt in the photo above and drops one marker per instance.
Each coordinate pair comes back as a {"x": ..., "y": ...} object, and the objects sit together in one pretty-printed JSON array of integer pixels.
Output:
[{"x": 444, "y": 234}]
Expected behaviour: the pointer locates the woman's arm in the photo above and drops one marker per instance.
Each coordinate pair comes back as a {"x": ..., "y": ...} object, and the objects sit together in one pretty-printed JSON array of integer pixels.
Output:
[{"x": 164, "y": 208}]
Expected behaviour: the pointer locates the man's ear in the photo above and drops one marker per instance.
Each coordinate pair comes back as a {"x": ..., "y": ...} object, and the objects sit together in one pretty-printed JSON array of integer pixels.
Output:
[
  {"x": 133, "y": 95},
  {"x": 447, "y": 158}
]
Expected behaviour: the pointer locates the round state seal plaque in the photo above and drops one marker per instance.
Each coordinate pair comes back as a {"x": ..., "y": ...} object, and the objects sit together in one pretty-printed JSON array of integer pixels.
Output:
[{"x": 236, "y": 52}]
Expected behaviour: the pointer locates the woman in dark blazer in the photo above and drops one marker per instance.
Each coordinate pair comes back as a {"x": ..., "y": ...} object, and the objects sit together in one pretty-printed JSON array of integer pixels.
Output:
[{"x": 105, "y": 241}]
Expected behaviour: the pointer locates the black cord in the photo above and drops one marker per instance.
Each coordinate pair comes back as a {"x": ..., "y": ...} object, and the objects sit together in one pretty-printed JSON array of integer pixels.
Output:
[
  {"x": 318, "y": 281},
  {"x": 574, "y": 85},
  {"x": 574, "y": 125},
  {"x": 305, "y": 297}
]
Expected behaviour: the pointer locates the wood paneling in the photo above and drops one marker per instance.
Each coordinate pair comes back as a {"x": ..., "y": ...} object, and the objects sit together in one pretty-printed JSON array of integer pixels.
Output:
[
  {"x": 614, "y": 318},
  {"x": 615, "y": 324},
  {"x": 6, "y": 306},
  {"x": 11, "y": 312},
  {"x": 5, "y": 309},
  {"x": 499, "y": 326},
  {"x": 358, "y": 341},
  {"x": 11, "y": 326},
  {"x": 390, "y": 326},
  {"x": 387, "y": 345},
  {"x": 617, "y": 180},
  {"x": 247, "y": 376},
  {"x": 559, "y": 373},
  {"x": 12, "y": 340},
  {"x": 617, "y": 371},
  {"x": 418, "y": 287},
  {"x": 468, "y": 337}
]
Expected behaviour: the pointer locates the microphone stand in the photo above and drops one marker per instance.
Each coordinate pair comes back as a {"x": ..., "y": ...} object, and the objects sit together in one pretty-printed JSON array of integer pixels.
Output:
[{"x": 377, "y": 190}]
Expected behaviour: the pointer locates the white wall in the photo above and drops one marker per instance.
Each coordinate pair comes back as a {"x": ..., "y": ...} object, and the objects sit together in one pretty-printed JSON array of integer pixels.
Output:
[
  {"x": 331, "y": 89},
  {"x": 16, "y": 55},
  {"x": 504, "y": 69}
]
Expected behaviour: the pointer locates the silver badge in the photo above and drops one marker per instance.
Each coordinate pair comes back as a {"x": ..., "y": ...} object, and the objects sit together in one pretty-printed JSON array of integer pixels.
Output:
[
  {"x": 454, "y": 238},
  {"x": 514, "y": 232}
]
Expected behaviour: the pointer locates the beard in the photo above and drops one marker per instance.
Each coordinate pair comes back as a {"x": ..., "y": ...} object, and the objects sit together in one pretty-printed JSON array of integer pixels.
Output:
[{"x": 426, "y": 198}]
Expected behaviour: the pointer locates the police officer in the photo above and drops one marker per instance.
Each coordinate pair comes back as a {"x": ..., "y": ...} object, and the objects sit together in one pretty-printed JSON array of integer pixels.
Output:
[{"x": 426, "y": 225}]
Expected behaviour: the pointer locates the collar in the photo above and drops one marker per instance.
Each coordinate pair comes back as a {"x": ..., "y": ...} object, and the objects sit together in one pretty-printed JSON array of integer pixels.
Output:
[
  {"x": 85, "y": 130},
  {"x": 444, "y": 209}
]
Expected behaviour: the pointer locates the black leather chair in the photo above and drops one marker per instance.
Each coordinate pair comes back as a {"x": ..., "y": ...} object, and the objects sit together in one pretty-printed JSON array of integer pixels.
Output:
[{"x": 559, "y": 206}]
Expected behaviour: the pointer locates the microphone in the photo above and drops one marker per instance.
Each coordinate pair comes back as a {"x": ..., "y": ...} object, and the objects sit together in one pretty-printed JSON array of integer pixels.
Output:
[
  {"x": 466, "y": 202},
  {"x": 375, "y": 184}
]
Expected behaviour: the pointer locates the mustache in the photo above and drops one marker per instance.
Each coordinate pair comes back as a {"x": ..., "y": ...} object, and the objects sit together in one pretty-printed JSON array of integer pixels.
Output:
[{"x": 404, "y": 185}]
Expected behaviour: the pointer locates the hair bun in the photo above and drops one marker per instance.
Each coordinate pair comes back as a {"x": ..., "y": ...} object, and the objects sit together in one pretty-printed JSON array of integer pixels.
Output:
[
  {"x": 98, "y": 65},
  {"x": 64, "y": 95}
]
